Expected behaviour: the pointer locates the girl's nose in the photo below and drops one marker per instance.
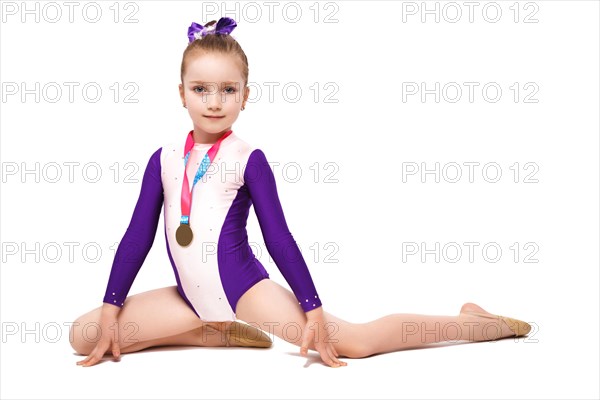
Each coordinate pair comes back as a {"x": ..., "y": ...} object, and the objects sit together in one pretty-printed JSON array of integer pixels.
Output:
[{"x": 214, "y": 101}]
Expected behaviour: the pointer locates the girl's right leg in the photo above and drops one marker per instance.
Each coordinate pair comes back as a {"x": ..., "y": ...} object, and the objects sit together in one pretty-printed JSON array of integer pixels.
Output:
[{"x": 157, "y": 317}]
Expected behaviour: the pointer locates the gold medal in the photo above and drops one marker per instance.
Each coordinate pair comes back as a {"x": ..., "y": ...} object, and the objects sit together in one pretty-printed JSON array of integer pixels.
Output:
[{"x": 184, "y": 235}]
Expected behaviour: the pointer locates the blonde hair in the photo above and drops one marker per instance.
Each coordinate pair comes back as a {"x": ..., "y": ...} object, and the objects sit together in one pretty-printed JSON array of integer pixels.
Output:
[{"x": 216, "y": 43}]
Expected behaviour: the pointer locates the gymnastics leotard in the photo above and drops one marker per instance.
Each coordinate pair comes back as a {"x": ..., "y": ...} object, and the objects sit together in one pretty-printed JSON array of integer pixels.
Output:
[{"x": 218, "y": 267}]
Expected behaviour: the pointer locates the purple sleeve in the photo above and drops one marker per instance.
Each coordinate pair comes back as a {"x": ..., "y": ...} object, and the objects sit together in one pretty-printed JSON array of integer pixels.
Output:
[
  {"x": 282, "y": 247},
  {"x": 139, "y": 237}
]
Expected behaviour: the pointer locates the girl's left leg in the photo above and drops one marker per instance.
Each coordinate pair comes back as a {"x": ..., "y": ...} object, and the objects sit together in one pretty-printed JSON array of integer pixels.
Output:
[{"x": 274, "y": 309}]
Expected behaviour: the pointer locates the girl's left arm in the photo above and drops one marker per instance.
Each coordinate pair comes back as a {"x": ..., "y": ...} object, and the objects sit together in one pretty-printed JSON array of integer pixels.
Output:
[
  {"x": 260, "y": 181},
  {"x": 280, "y": 243}
]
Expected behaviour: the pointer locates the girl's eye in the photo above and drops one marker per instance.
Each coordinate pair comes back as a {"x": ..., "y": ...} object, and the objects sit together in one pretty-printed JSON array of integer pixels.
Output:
[{"x": 228, "y": 89}]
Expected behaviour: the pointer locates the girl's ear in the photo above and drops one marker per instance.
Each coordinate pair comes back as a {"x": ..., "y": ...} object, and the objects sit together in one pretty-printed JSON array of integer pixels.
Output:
[
  {"x": 181, "y": 92},
  {"x": 246, "y": 93}
]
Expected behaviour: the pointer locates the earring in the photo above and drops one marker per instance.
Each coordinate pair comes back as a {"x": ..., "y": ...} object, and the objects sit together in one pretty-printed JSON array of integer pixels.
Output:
[
  {"x": 243, "y": 108},
  {"x": 184, "y": 106}
]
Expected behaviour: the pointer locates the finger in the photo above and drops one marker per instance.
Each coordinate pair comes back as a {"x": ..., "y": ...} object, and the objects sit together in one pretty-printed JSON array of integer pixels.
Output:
[
  {"x": 327, "y": 359},
  {"x": 101, "y": 350},
  {"x": 96, "y": 355},
  {"x": 334, "y": 350},
  {"x": 116, "y": 351},
  {"x": 334, "y": 356},
  {"x": 84, "y": 360},
  {"x": 93, "y": 358},
  {"x": 304, "y": 346},
  {"x": 337, "y": 356},
  {"x": 334, "y": 360},
  {"x": 92, "y": 361},
  {"x": 306, "y": 338},
  {"x": 89, "y": 357},
  {"x": 324, "y": 353}
]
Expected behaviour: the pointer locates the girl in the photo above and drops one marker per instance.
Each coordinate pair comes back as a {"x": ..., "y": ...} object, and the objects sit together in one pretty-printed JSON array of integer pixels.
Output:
[{"x": 219, "y": 280}]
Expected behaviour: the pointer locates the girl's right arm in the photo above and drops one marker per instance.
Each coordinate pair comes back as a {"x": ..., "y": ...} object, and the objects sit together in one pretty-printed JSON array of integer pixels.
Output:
[
  {"x": 130, "y": 256},
  {"x": 139, "y": 237}
]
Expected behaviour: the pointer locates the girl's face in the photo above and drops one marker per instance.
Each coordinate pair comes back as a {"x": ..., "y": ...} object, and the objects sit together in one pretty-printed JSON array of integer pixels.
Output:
[{"x": 213, "y": 86}]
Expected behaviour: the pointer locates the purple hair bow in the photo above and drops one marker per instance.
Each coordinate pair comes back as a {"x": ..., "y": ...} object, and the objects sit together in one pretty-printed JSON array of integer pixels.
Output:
[{"x": 224, "y": 26}]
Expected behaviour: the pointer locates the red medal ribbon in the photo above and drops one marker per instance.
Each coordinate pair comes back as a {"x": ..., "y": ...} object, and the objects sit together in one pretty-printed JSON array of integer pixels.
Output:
[{"x": 186, "y": 193}]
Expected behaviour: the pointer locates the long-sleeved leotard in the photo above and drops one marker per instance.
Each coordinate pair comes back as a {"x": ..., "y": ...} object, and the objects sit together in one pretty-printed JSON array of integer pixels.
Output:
[{"x": 218, "y": 267}]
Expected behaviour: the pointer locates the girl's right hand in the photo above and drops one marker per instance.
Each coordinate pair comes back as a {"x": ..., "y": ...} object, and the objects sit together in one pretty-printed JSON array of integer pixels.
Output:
[{"x": 109, "y": 329}]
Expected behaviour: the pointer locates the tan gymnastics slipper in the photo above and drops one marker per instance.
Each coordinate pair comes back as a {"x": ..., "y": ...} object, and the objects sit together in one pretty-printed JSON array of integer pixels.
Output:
[
  {"x": 520, "y": 328},
  {"x": 245, "y": 335}
]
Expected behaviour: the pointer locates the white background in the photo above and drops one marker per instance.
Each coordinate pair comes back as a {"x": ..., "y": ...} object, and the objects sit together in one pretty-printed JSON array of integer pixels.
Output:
[{"x": 368, "y": 54}]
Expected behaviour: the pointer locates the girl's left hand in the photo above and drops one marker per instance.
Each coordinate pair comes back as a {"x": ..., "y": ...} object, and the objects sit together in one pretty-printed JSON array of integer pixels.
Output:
[{"x": 315, "y": 327}]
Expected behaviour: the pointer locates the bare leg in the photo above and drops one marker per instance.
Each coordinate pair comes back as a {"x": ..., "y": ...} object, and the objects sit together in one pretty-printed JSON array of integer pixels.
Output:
[
  {"x": 404, "y": 331},
  {"x": 154, "y": 318},
  {"x": 274, "y": 309}
]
